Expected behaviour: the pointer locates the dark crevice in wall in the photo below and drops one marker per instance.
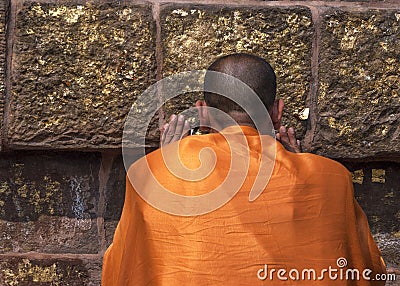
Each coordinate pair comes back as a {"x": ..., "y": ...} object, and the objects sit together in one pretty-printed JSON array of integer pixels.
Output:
[
  {"x": 9, "y": 38},
  {"x": 107, "y": 160},
  {"x": 377, "y": 189},
  {"x": 312, "y": 98}
]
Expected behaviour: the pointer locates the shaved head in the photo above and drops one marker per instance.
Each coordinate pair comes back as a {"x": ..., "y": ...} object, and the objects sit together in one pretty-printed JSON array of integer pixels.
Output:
[{"x": 254, "y": 71}]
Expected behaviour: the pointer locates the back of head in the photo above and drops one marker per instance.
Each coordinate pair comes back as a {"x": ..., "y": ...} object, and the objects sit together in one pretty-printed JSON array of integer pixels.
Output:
[{"x": 252, "y": 70}]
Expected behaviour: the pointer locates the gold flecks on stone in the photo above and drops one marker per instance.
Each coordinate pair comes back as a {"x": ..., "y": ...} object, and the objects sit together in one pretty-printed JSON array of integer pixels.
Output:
[
  {"x": 358, "y": 176},
  {"x": 26, "y": 271},
  {"x": 378, "y": 176},
  {"x": 194, "y": 36},
  {"x": 77, "y": 69},
  {"x": 358, "y": 100}
]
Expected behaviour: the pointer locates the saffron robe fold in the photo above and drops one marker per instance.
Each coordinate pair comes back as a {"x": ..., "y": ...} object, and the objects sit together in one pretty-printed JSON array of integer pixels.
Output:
[{"x": 305, "y": 223}]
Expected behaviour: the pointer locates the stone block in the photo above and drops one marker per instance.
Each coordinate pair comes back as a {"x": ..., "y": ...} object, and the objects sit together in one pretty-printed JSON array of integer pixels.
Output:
[
  {"x": 77, "y": 70},
  {"x": 49, "y": 202},
  {"x": 193, "y": 36},
  {"x": 26, "y": 271},
  {"x": 359, "y": 98}
]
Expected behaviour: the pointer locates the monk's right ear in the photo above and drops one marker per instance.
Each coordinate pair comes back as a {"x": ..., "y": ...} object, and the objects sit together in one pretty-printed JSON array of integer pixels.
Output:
[{"x": 276, "y": 113}]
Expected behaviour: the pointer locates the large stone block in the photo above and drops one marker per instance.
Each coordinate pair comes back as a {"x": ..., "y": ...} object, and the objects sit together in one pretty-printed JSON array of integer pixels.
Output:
[
  {"x": 359, "y": 98},
  {"x": 77, "y": 69},
  {"x": 49, "y": 202},
  {"x": 194, "y": 36},
  {"x": 49, "y": 271}
]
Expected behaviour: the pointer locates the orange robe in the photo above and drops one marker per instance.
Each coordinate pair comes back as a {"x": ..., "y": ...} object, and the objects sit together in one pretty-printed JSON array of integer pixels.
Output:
[{"x": 304, "y": 220}]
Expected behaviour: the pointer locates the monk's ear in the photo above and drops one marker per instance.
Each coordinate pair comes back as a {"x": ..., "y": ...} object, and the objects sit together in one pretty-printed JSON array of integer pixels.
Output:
[{"x": 276, "y": 113}]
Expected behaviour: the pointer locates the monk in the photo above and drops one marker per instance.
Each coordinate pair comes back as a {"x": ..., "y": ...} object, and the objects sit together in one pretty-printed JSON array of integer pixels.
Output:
[{"x": 304, "y": 227}]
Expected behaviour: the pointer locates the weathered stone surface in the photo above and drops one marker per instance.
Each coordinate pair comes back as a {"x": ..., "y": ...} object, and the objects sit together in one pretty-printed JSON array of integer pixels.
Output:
[
  {"x": 115, "y": 195},
  {"x": 377, "y": 190},
  {"x": 389, "y": 245},
  {"x": 110, "y": 227},
  {"x": 2, "y": 61},
  {"x": 194, "y": 36},
  {"x": 371, "y": 1},
  {"x": 49, "y": 202},
  {"x": 77, "y": 69},
  {"x": 378, "y": 193},
  {"x": 115, "y": 190},
  {"x": 50, "y": 271},
  {"x": 50, "y": 234},
  {"x": 396, "y": 280},
  {"x": 359, "y": 98}
]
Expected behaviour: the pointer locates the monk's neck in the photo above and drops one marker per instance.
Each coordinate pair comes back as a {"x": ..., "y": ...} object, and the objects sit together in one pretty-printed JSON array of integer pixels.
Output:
[{"x": 242, "y": 119}]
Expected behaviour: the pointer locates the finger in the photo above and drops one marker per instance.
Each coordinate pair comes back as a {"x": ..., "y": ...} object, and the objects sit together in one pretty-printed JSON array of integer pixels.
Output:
[
  {"x": 164, "y": 133},
  {"x": 163, "y": 128},
  {"x": 179, "y": 128},
  {"x": 171, "y": 130},
  {"x": 284, "y": 136},
  {"x": 284, "y": 139},
  {"x": 278, "y": 136},
  {"x": 186, "y": 129},
  {"x": 292, "y": 137},
  {"x": 299, "y": 145},
  {"x": 293, "y": 140}
]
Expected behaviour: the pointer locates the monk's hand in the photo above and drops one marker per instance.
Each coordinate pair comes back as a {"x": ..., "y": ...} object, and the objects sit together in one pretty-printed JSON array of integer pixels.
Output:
[
  {"x": 177, "y": 129},
  {"x": 288, "y": 139}
]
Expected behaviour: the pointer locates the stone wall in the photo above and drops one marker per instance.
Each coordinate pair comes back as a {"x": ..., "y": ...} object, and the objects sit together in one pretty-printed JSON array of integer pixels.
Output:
[{"x": 72, "y": 69}]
